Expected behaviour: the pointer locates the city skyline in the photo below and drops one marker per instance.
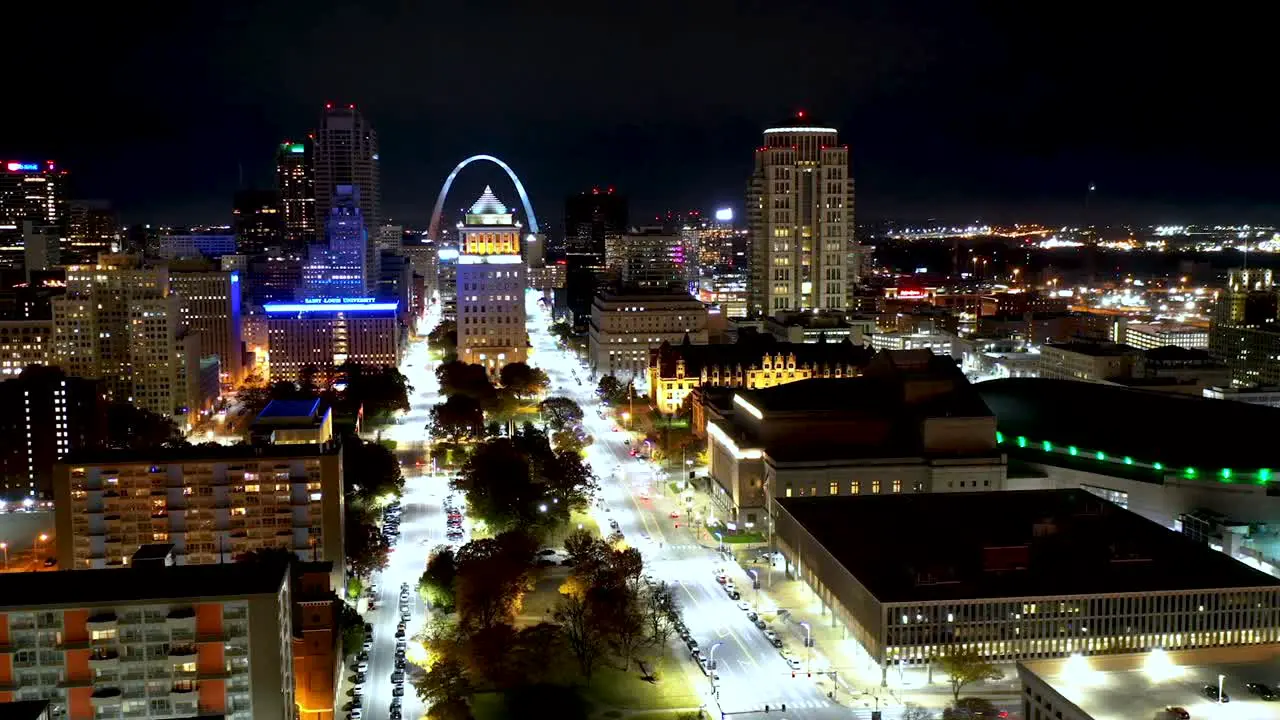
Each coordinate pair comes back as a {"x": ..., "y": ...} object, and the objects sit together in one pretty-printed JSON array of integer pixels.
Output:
[{"x": 948, "y": 114}]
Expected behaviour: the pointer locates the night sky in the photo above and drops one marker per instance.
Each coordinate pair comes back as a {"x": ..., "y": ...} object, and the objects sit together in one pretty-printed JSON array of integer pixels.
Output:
[{"x": 954, "y": 110}]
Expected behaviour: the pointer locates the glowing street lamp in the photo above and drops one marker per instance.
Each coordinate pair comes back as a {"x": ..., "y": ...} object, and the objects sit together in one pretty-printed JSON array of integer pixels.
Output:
[
  {"x": 5, "y": 547},
  {"x": 711, "y": 666},
  {"x": 808, "y": 645}
]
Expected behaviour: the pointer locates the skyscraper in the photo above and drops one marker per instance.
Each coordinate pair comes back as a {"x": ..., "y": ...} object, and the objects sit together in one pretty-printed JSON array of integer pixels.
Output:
[
  {"x": 92, "y": 228},
  {"x": 30, "y": 192},
  {"x": 491, "y": 282},
  {"x": 258, "y": 221},
  {"x": 296, "y": 183},
  {"x": 346, "y": 153},
  {"x": 591, "y": 219},
  {"x": 338, "y": 269},
  {"x": 800, "y": 213}
]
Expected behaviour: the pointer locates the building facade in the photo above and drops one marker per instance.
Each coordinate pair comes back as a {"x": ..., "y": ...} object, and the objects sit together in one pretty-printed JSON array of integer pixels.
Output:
[
  {"x": 24, "y": 343},
  {"x": 150, "y": 643},
  {"x": 591, "y": 220},
  {"x": 626, "y": 326},
  {"x": 647, "y": 257},
  {"x": 1149, "y": 336},
  {"x": 212, "y": 504},
  {"x": 340, "y": 267},
  {"x": 800, "y": 215},
  {"x": 258, "y": 221},
  {"x": 324, "y": 334},
  {"x": 49, "y": 416},
  {"x": 92, "y": 228},
  {"x": 34, "y": 192},
  {"x": 490, "y": 287},
  {"x": 1091, "y": 362},
  {"x": 210, "y": 308},
  {"x": 194, "y": 245},
  {"x": 346, "y": 154},
  {"x": 752, "y": 362}
]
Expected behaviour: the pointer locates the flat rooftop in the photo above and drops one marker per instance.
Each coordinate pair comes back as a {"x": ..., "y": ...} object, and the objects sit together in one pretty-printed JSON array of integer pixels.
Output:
[
  {"x": 278, "y": 410},
  {"x": 1027, "y": 543},
  {"x": 1177, "y": 431},
  {"x": 122, "y": 585},
  {"x": 1140, "y": 694},
  {"x": 197, "y": 453}
]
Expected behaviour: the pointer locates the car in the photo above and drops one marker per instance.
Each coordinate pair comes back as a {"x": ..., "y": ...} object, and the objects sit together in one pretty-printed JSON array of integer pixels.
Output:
[
  {"x": 744, "y": 606},
  {"x": 368, "y": 628},
  {"x": 735, "y": 595},
  {"x": 707, "y": 670},
  {"x": 397, "y": 677},
  {"x": 1211, "y": 692},
  {"x": 400, "y": 633},
  {"x": 696, "y": 654},
  {"x": 362, "y": 666},
  {"x": 752, "y": 616},
  {"x": 722, "y": 578},
  {"x": 691, "y": 643},
  {"x": 397, "y": 691},
  {"x": 675, "y": 514},
  {"x": 400, "y": 663},
  {"x": 1265, "y": 692},
  {"x": 357, "y": 691},
  {"x": 792, "y": 662},
  {"x": 355, "y": 714},
  {"x": 362, "y": 655},
  {"x": 367, "y": 645},
  {"x": 759, "y": 622},
  {"x": 773, "y": 638},
  {"x": 547, "y": 551},
  {"x": 1177, "y": 712},
  {"x": 729, "y": 587},
  {"x": 395, "y": 703}
]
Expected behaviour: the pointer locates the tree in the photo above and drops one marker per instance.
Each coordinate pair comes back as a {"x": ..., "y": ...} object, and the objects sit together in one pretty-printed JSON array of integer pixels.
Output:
[
  {"x": 562, "y": 331},
  {"x": 492, "y": 578},
  {"x": 438, "y": 581},
  {"x": 560, "y": 413},
  {"x": 366, "y": 548},
  {"x": 659, "y": 605},
  {"x": 570, "y": 440},
  {"x": 583, "y": 630},
  {"x": 964, "y": 667},
  {"x": 523, "y": 380},
  {"x": 624, "y": 622},
  {"x": 611, "y": 391},
  {"x": 444, "y": 337},
  {"x": 452, "y": 709},
  {"x": 370, "y": 471},
  {"x": 459, "y": 378},
  {"x": 912, "y": 711},
  {"x": 489, "y": 655},
  {"x": 446, "y": 682},
  {"x": 381, "y": 391},
  {"x": 133, "y": 428},
  {"x": 538, "y": 650},
  {"x": 351, "y": 625},
  {"x": 458, "y": 418}
]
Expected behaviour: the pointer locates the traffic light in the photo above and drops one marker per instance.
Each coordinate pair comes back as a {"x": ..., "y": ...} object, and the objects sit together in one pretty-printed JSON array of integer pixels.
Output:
[
  {"x": 793, "y": 673},
  {"x": 766, "y": 708}
]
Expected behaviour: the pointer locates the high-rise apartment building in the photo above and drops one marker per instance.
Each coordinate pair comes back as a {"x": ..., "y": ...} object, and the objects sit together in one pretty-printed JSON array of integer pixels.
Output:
[
  {"x": 346, "y": 154},
  {"x": 151, "y": 641},
  {"x": 212, "y": 503},
  {"x": 24, "y": 343},
  {"x": 92, "y": 229},
  {"x": 32, "y": 191},
  {"x": 339, "y": 268},
  {"x": 590, "y": 220},
  {"x": 324, "y": 333},
  {"x": 1244, "y": 331},
  {"x": 210, "y": 307},
  {"x": 258, "y": 221},
  {"x": 48, "y": 416},
  {"x": 800, "y": 214},
  {"x": 491, "y": 283},
  {"x": 296, "y": 184}
]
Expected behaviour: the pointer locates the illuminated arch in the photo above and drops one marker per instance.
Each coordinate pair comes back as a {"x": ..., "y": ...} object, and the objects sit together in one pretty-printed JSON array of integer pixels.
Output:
[{"x": 434, "y": 228}]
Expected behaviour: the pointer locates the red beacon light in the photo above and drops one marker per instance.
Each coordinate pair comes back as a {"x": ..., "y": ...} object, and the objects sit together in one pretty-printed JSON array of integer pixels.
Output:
[
  {"x": 328, "y": 106},
  {"x": 800, "y": 114}
]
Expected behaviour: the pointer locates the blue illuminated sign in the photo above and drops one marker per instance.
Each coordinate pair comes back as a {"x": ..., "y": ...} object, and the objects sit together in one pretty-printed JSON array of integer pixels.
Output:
[
  {"x": 338, "y": 301},
  {"x": 334, "y": 306},
  {"x": 235, "y": 277},
  {"x": 22, "y": 167}
]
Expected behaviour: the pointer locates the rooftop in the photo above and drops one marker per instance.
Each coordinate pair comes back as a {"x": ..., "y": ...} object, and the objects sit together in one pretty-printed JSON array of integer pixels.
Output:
[
  {"x": 1094, "y": 349},
  {"x": 120, "y": 585},
  {"x": 289, "y": 410},
  {"x": 1160, "y": 431},
  {"x": 23, "y": 709},
  {"x": 1027, "y": 543},
  {"x": 197, "y": 453},
  {"x": 1139, "y": 694},
  {"x": 487, "y": 204},
  {"x": 750, "y": 350}
]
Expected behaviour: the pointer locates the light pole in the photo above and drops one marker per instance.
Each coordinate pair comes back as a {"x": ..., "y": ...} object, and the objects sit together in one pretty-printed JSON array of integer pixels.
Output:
[
  {"x": 1220, "y": 677},
  {"x": 711, "y": 666},
  {"x": 42, "y": 537},
  {"x": 719, "y": 541},
  {"x": 755, "y": 585},
  {"x": 5, "y": 547},
  {"x": 808, "y": 644}
]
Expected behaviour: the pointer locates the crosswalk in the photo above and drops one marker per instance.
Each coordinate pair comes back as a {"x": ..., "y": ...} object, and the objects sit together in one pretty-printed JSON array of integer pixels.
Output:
[{"x": 815, "y": 704}]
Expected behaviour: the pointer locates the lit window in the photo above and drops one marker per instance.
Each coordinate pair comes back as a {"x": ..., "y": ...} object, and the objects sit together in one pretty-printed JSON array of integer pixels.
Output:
[{"x": 875, "y": 487}]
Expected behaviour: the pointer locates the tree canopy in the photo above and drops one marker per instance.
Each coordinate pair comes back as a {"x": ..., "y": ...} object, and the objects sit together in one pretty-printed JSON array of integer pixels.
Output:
[
  {"x": 438, "y": 582},
  {"x": 458, "y": 418},
  {"x": 492, "y": 575},
  {"x": 964, "y": 667},
  {"x": 612, "y": 391},
  {"x": 133, "y": 428},
  {"x": 459, "y": 378},
  {"x": 366, "y": 549},
  {"x": 444, "y": 337},
  {"x": 523, "y": 380},
  {"x": 560, "y": 412},
  {"x": 370, "y": 471},
  {"x": 380, "y": 390}
]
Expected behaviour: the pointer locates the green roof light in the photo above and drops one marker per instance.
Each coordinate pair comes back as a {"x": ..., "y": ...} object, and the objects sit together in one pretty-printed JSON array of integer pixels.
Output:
[
  {"x": 1226, "y": 474},
  {"x": 1158, "y": 466},
  {"x": 1189, "y": 472},
  {"x": 1128, "y": 460},
  {"x": 1264, "y": 474},
  {"x": 297, "y": 148},
  {"x": 1022, "y": 441},
  {"x": 999, "y": 437},
  {"x": 1100, "y": 455},
  {"x": 1048, "y": 446},
  {"x": 1073, "y": 450}
]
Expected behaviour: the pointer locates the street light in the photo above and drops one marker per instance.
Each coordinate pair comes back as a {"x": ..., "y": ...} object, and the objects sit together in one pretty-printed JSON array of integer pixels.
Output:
[
  {"x": 808, "y": 644},
  {"x": 711, "y": 666},
  {"x": 1220, "y": 677},
  {"x": 5, "y": 547},
  {"x": 720, "y": 540},
  {"x": 42, "y": 537},
  {"x": 755, "y": 585}
]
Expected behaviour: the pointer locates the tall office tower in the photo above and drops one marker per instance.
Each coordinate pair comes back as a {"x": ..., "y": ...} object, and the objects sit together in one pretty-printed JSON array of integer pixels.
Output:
[
  {"x": 93, "y": 325},
  {"x": 390, "y": 237},
  {"x": 258, "y": 221},
  {"x": 800, "y": 213},
  {"x": 491, "y": 272},
  {"x": 34, "y": 193},
  {"x": 1244, "y": 328},
  {"x": 346, "y": 154},
  {"x": 210, "y": 307},
  {"x": 647, "y": 257},
  {"x": 338, "y": 269},
  {"x": 296, "y": 183},
  {"x": 590, "y": 219},
  {"x": 92, "y": 228}
]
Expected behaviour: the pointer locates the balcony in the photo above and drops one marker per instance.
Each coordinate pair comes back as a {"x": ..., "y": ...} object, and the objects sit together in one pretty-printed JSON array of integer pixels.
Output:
[
  {"x": 103, "y": 621},
  {"x": 182, "y": 653},
  {"x": 81, "y": 681},
  {"x": 182, "y": 691},
  {"x": 181, "y": 617},
  {"x": 106, "y": 697},
  {"x": 103, "y": 659},
  {"x": 221, "y": 673}
]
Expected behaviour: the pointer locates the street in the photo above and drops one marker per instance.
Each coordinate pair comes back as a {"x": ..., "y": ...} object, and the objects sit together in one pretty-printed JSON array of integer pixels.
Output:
[{"x": 752, "y": 673}]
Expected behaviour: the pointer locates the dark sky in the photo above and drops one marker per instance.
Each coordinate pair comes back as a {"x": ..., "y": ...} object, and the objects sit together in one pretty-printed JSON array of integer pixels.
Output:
[{"x": 951, "y": 109}]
